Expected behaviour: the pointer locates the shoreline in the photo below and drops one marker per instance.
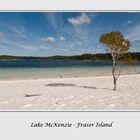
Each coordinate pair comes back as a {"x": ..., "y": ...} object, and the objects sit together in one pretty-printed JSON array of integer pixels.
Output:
[{"x": 61, "y": 76}]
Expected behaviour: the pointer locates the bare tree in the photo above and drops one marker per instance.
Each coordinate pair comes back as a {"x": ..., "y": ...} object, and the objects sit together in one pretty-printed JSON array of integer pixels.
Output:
[{"x": 117, "y": 46}]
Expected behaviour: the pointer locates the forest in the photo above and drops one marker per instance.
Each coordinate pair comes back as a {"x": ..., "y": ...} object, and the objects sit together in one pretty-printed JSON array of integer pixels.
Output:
[{"x": 94, "y": 57}]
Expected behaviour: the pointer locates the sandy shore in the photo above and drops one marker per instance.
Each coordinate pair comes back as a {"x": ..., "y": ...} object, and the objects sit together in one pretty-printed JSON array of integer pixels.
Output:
[{"x": 86, "y": 93}]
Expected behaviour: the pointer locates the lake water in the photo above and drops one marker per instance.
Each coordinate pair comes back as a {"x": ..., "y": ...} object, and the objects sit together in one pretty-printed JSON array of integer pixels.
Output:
[{"x": 52, "y": 69}]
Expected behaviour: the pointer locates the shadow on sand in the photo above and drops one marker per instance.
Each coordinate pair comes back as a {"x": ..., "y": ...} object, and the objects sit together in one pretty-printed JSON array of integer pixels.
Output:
[
  {"x": 72, "y": 85},
  {"x": 31, "y": 95}
]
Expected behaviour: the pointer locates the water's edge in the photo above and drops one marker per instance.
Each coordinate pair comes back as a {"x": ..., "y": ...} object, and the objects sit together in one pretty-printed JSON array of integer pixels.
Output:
[{"x": 11, "y": 70}]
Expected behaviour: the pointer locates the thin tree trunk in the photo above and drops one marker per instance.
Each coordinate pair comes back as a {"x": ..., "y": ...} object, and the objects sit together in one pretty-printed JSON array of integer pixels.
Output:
[
  {"x": 114, "y": 84},
  {"x": 113, "y": 73}
]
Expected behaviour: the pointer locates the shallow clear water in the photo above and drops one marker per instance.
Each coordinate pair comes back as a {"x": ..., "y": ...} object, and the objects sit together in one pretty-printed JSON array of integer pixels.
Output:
[{"x": 52, "y": 69}]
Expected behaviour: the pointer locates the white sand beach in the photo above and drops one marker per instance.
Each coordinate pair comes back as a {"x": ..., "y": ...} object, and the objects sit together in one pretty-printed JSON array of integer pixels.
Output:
[{"x": 86, "y": 93}]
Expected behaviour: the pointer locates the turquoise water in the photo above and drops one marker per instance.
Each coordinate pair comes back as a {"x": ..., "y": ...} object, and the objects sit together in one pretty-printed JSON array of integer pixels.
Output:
[{"x": 52, "y": 69}]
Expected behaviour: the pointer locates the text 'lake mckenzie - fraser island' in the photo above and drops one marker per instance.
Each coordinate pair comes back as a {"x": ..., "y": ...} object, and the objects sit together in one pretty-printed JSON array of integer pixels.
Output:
[{"x": 71, "y": 125}]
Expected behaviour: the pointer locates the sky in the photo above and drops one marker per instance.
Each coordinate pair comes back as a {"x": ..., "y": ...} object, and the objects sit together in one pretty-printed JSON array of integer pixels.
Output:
[{"x": 63, "y": 33}]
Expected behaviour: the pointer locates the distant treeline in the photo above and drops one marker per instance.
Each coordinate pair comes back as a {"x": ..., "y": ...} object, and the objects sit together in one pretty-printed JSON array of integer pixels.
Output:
[{"x": 105, "y": 56}]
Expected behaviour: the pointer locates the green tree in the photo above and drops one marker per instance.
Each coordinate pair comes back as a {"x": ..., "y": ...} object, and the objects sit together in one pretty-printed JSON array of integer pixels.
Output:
[{"x": 117, "y": 46}]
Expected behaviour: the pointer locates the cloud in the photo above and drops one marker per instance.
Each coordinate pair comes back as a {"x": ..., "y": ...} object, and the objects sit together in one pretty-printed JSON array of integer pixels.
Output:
[
  {"x": 43, "y": 48},
  {"x": 134, "y": 34},
  {"x": 55, "y": 20},
  {"x": 51, "y": 18},
  {"x": 83, "y": 19},
  {"x": 19, "y": 31},
  {"x": 71, "y": 46},
  {"x": 2, "y": 35},
  {"x": 129, "y": 21},
  {"x": 49, "y": 39},
  {"x": 79, "y": 42},
  {"x": 28, "y": 47},
  {"x": 62, "y": 38}
]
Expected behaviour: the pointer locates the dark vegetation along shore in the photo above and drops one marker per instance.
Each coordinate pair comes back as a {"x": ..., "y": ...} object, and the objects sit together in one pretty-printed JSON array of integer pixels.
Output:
[{"x": 105, "y": 56}]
